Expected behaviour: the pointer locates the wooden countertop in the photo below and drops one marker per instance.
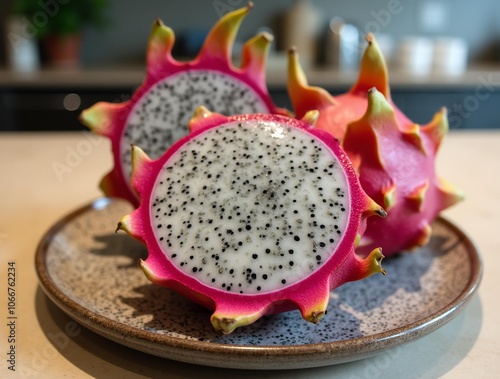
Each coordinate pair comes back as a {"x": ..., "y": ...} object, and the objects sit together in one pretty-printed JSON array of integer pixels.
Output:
[{"x": 33, "y": 197}]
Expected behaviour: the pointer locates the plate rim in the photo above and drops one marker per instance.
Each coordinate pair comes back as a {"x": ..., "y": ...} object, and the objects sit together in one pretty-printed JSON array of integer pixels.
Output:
[{"x": 324, "y": 353}]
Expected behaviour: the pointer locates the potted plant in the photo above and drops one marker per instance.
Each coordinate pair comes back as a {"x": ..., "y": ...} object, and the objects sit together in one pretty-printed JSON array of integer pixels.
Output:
[{"x": 59, "y": 24}]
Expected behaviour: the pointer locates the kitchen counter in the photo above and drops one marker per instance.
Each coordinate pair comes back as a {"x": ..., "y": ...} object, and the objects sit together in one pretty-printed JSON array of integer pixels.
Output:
[
  {"x": 129, "y": 77},
  {"x": 33, "y": 196}
]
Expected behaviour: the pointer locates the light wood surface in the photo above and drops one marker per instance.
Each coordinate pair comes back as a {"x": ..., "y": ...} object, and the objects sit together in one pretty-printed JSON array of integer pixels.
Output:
[{"x": 45, "y": 176}]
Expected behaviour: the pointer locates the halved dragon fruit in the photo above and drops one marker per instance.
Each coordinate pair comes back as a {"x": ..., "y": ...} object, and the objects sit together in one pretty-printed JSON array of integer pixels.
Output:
[
  {"x": 394, "y": 157},
  {"x": 160, "y": 109},
  {"x": 251, "y": 215}
]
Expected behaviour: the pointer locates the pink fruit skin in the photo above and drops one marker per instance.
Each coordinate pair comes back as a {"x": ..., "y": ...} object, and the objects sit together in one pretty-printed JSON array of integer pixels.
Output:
[
  {"x": 109, "y": 119},
  {"x": 394, "y": 157},
  {"x": 348, "y": 107},
  {"x": 396, "y": 167},
  {"x": 231, "y": 310},
  {"x": 337, "y": 112}
]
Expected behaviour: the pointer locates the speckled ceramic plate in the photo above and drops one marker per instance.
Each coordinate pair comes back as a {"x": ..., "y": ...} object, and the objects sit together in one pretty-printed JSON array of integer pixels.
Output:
[{"x": 91, "y": 274}]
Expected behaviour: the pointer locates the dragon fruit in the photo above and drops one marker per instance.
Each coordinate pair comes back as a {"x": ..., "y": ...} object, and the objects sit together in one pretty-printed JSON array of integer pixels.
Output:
[
  {"x": 396, "y": 167},
  {"x": 394, "y": 157},
  {"x": 159, "y": 110},
  {"x": 251, "y": 215},
  {"x": 337, "y": 112}
]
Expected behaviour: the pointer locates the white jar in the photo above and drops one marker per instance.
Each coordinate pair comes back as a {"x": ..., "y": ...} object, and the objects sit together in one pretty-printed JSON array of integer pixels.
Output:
[
  {"x": 415, "y": 55},
  {"x": 22, "y": 48},
  {"x": 450, "y": 56}
]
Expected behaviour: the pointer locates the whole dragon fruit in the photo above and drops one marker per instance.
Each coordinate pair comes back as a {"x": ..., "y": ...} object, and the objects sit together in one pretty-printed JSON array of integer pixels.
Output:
[
  {"x": 251, "y": 215},
  {"x": 159, "y": 110},
  {"x": 394, "y": 157},
  {"x": 396, "y": 167}
]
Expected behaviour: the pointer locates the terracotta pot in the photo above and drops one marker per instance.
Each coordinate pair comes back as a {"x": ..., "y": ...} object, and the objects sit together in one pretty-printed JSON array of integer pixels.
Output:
[{"x": 63, "y": 51}]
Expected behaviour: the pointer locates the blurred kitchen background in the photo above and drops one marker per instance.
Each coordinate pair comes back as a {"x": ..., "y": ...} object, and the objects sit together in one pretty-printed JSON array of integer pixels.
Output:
[{"x": 440, "y": 52}]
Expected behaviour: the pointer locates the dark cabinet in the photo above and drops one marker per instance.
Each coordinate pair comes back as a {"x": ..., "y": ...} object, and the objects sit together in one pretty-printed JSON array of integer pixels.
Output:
[
  {"x": 44, "y": 109},
  {"x": 50, "y": 109}
]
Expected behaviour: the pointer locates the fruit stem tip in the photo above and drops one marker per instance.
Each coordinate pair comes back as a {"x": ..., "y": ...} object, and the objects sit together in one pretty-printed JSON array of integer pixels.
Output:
[
  {"x": 379, "y": 257},
  {"x": 267, "y": 36},
  {"x": 369, "y": 38},
  {"x": 119, "y": 227}
]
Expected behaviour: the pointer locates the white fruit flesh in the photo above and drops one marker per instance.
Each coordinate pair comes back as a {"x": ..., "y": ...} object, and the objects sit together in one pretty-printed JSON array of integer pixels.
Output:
[
  {"x": 250, "y": 207},
  {"x": 160, "y": 117}
]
